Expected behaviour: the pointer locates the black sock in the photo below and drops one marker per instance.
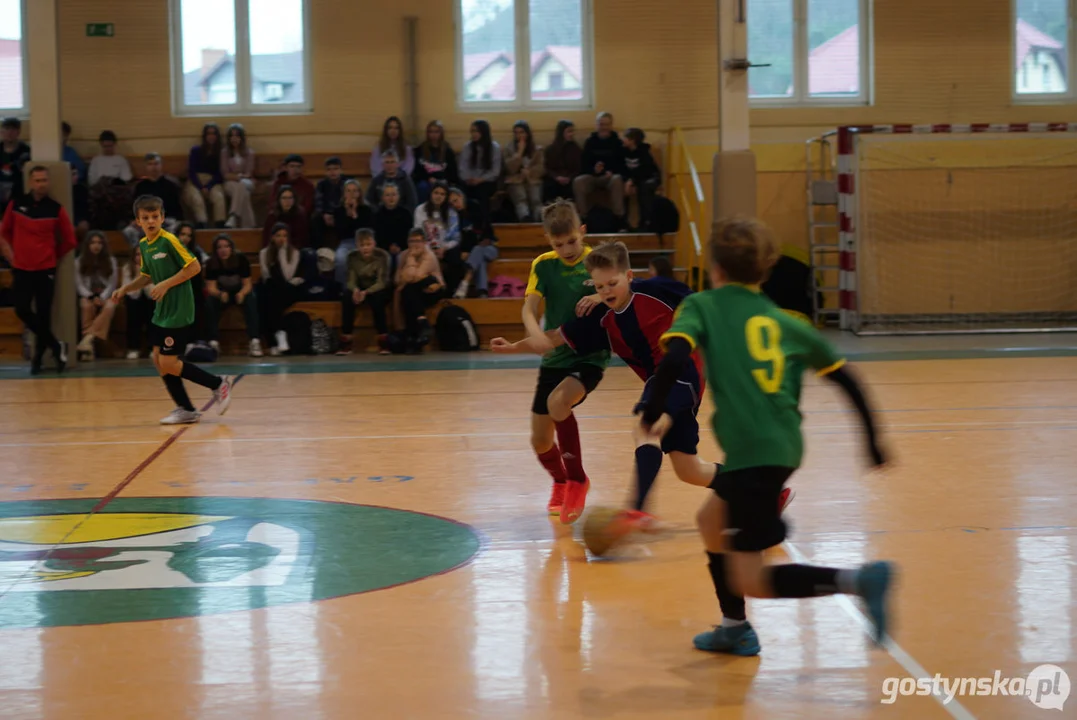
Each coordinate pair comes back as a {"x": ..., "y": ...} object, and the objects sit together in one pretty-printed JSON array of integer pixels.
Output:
[
  {"x": 803, "y": 581},
  {"x": 648, "y": 463},
  {"x": 178, "y": 392},
  {"x": 732, "y": 605},
  {"x": 199, "y": 376}
]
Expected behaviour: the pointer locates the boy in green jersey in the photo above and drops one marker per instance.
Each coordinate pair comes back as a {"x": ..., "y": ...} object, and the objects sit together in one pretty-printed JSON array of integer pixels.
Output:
[
  {"x": 565, "y": 377},
  {"x": 754, "y": 355},
  {"x": 167, "y": 264}
]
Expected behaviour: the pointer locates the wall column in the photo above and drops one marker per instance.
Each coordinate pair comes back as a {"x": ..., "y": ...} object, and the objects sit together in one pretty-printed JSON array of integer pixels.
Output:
[{"x": 733, "y": 168}]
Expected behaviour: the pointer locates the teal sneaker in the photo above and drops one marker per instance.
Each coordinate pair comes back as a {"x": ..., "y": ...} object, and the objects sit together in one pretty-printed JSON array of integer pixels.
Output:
[
  {"x": 873, "y": 586},
  {"x": 737, "y": 640}
]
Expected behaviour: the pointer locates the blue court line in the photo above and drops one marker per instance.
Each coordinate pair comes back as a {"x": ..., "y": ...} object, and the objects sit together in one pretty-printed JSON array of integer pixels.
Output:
[{"x": 480, "y": 361}]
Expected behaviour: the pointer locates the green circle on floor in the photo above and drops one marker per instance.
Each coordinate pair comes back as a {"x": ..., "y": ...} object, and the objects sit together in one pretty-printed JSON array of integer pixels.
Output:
[{"x": 172, "y": 557}]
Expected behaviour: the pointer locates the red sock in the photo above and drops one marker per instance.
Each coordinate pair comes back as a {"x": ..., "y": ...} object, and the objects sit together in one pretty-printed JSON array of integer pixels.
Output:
[
  {"x": 568, "y": 436},
  {"x": 551, "y": 460}
]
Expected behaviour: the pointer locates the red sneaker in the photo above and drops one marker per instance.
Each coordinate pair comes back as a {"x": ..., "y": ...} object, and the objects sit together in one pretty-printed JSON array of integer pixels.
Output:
[
  {"x": 557, "y": 498},
  {"x": 575, "y": 498},
  {"x": 785, "y": 498},
  {"x": 643, "y": 522}
]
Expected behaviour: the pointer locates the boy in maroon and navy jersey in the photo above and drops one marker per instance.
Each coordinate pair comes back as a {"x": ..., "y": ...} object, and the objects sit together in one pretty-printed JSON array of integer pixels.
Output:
[{"x": 637, "y": 314}]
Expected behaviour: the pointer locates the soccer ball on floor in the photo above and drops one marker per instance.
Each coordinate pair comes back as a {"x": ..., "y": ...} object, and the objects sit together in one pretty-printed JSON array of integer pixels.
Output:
[{"x": 604, "y": 529}]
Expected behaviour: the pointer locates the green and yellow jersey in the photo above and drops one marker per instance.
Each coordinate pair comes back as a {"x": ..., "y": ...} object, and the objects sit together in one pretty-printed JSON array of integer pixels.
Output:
[
  {"x": 754, "y": 354},
  {"x": 161, "y": 259},
  {"x": 563, "y": 285}
]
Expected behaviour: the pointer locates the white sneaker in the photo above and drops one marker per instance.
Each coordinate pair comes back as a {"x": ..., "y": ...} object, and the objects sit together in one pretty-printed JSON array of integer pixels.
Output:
[
  {"x": 179, "y": 416},
  {"x": 215, "y": 345},
  {"x": 132, "y": 355},
  {"x": 232, "y": 221},
  {"x": 223, "y": 395},
  {"x": 86, "y": 343},
  {"x": 461, "y": 292},
  {"x": 282, "y": 341},
  {"x": 256, "y": 348},
  {"x": 274, "y": 351}
]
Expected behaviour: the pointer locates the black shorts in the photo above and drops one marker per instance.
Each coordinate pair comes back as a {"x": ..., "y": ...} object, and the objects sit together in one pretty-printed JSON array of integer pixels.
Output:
[
  {"x": 549, "y": 378},
  {"x": 682, "y": 406},
  {"x": 170, "y": 341},
  {"x": 751, "y": 495}
]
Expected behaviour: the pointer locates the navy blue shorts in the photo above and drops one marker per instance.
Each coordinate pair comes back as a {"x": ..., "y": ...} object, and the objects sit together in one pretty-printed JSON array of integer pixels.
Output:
[{"x": 682, "y": 406}]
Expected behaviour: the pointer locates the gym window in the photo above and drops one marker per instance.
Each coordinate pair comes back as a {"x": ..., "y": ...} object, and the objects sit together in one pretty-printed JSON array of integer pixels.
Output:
[
  {"x": 14, "y": 98},
  {"x": 516, "y": 54},
  {"x": 240, "y": 57},
  {"x": 814, "y": 52},
  {"x": 1043, "y": 50}
]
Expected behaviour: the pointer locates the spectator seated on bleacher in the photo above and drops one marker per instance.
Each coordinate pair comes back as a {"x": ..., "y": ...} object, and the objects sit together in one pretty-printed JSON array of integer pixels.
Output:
[
  {"x": 477, "y": 247},
  {"x": 419, "y": 286},
  {"x": 350, "y": 216},
  {"x": 282, "y": 284},
  {"x": 434, "y": 160},
  {"x": 154, "y": 182},
  {"x": 205, "y": 185},
  {"x": 392, "y": 138},
  {"x": 367, "y": 283},
  {"x": 288, "y": 212},
  {"x": 110, "y": 195},
  {"x": 228, "y": 282},
  {"x": 562, "y": 163},
  {"x": 642, "y": 176},
  {"x": 185, "y": 234},
  {"x": 237, "y": 170},
  {"x": 292, "y": 177},
  {"x": 439, "y": 222},
  {"x": 392, "y": 222},
  {"x": 14, "y": 153},
  {"x": 96, "y": 275},
  {"x": 602, "y": 168},
  {"x": 139, "y": 306},
  {"x": 391, "y": 173},
  {"x": 328, "y": 194},
  {"x": 71, "y": 156},
  {"x": 480, "y": 168},
  {"x": 525, "y": 170}
]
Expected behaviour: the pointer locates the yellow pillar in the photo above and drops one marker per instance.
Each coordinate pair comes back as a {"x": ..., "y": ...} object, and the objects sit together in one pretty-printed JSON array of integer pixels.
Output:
[{"x": 734, "y": 165}]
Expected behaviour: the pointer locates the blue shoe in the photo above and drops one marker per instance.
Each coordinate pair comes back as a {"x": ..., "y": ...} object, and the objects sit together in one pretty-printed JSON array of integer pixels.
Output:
[
  {"x": 873, "y": 586},
  {"x": 737, "y": 640}
]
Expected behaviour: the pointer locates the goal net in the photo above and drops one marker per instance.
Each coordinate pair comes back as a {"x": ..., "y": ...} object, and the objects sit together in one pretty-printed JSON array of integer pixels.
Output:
[{"x": 958, "y": 229}]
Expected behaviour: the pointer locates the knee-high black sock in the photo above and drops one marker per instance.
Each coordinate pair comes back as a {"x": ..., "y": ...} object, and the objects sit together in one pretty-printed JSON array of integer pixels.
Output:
[
  {"x": 178, "y": 392},
  {"x": 199, "y": 376},
  {"x": 648, "y": 463},
  {"x": 804, "y": 581},
  {"x": 732, "y": 604}
]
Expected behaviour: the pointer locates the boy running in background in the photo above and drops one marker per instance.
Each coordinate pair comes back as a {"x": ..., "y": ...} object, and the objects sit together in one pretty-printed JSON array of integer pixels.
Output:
[
  {"x": 168, "y": 265},
  {"x": 565, "y": 377},
  {"x": 754, "y": 356}
]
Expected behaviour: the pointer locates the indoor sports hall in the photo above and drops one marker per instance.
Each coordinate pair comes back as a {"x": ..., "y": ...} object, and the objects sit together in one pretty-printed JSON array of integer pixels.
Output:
[{"x": 365, "y": 534}]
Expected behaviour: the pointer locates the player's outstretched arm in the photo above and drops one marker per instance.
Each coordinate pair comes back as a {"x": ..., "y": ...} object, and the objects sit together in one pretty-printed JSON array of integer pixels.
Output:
[
  {"x": 678, "y": 354},
  {"x": 845, "y": 379},
  {"x": 530, "y": 314},
  {"x": 137, "y": 284},
  {"x": 536, "y": 344}
]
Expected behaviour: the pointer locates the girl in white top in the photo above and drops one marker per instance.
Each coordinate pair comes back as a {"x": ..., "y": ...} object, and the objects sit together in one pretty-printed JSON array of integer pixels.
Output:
[
  {"x": 281, "y": 282},
  {"x": 392, "y": 136},
  {"x": 95, "y": 279},
  {"x": 237, "y": 167},
  {"x": 438, "y": 219}
]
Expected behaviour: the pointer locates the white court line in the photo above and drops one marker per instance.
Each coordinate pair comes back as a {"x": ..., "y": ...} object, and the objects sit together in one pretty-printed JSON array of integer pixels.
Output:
[
  {"x": 809, "y": 430},
  {"x": 898, "y": 653}
]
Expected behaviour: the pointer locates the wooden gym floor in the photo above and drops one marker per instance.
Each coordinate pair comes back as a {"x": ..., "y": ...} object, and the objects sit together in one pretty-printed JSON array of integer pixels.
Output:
[{"x": 160, "y": 583}]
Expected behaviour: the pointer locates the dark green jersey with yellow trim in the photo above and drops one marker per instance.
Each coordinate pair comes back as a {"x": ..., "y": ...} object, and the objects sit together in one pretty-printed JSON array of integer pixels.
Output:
[
  {"x": 754, "y": 354},
  {"x": 563, "y": 285},
  {"x": 161, "y": 259}
]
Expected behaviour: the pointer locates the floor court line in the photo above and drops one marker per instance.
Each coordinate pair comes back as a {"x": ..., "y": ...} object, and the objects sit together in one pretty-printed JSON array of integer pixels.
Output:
[
  {"x": 901, "y": 656},
  {"x": 111, "y": 495}
]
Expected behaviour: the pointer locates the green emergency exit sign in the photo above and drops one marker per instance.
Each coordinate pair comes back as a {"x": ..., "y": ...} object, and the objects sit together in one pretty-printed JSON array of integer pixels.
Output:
[{"x": 100, "y": 30}]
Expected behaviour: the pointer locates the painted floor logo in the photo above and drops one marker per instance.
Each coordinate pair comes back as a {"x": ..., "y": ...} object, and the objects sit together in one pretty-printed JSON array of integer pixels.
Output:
[
  {"x": 1047, "y": 687},
  {"x": 159, "y": 558}
]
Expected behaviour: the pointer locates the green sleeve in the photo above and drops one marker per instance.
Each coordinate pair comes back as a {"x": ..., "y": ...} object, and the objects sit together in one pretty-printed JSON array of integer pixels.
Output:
[
  {"x": 804, "y": 342},
  {"x": 687, "y": 324},
  {"x": 143, "y": 267}
]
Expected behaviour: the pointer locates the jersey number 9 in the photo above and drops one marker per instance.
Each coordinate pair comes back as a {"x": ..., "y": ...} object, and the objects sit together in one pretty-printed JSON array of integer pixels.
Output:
[{"x": 764, "y": 344}]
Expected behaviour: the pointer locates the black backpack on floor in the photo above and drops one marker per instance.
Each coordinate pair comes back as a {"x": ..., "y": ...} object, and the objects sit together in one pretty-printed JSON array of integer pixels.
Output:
[
  {"x": 456, "y": 331},
  {"x": 298, "y": 327}
]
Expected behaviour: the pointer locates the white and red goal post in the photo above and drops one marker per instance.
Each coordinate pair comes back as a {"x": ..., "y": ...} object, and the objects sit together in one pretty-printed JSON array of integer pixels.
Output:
[{"x": 958, "y": 228}]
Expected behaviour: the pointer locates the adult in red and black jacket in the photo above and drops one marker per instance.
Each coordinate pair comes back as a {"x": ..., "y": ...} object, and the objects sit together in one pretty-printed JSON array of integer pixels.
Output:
[{"x": 34, "y": 234}]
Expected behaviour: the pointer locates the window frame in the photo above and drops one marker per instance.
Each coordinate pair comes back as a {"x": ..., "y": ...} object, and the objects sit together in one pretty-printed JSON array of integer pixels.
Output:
[
  {"x": 522, "y": 48},
  {"x": 22, "y": 112},
  {"x": 801, "y": 96},
  {"x": 243, "y": 107},
  {"x": 1062, "y": 98}
]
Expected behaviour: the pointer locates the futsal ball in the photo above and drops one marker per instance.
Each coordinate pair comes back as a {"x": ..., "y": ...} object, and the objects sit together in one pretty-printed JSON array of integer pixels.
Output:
[{"x": 603, "y": 529}]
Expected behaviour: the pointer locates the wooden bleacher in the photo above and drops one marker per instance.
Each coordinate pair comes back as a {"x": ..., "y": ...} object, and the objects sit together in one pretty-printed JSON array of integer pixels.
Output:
[{"x": 518, "y": 245}]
